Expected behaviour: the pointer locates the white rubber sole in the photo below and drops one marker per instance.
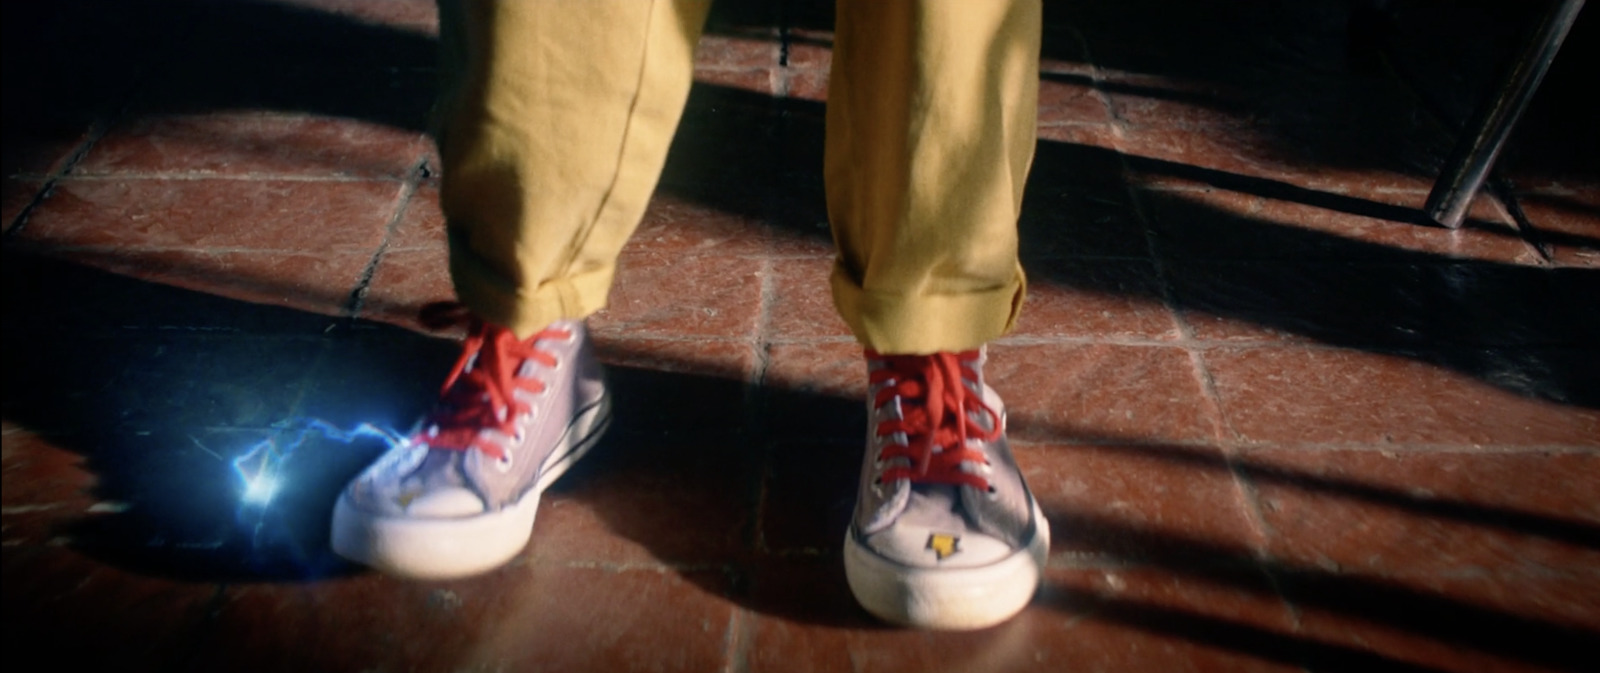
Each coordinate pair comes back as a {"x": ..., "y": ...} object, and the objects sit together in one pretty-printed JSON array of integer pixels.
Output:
[
  {"x": 947, "y": 598},
  {"x": 422, "y": 548}
]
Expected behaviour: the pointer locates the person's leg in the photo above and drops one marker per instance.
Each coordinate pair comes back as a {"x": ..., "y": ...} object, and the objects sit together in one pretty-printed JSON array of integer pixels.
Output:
[
  {"x": 554, "y": 125},
  {"x": 932, "y": 109},
  {"x": 554, "y": 122},
  {"x": 931, "y": 130}
]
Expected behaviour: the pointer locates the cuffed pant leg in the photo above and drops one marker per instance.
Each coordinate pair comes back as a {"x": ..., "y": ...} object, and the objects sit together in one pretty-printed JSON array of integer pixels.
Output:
[
  {"x": 932, "y": 109},
  {"x": 554, "y": 122}
]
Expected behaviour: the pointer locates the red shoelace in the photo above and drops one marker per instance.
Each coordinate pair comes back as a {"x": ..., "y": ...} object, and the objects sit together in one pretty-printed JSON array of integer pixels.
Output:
[
  {"x": 936, "y": 407},
  {"x": 480, "y": 392}
]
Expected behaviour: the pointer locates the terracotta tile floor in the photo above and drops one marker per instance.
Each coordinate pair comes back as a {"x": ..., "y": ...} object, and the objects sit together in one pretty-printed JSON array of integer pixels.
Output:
[{"x": 1276, "y": 423}]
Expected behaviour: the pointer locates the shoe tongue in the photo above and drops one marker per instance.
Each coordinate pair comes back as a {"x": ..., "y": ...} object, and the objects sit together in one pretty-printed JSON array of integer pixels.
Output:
[
  {"x": 936, "y": 506},
  {"x": 441, "y": 467}
]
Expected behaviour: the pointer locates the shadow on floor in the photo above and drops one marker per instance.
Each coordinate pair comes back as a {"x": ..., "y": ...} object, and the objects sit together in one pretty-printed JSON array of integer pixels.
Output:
[{"x": 162, "y": 410}]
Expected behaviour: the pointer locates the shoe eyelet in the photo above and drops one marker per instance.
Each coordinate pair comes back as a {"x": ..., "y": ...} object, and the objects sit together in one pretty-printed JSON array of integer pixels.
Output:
[{"x": 504, "y": 462}]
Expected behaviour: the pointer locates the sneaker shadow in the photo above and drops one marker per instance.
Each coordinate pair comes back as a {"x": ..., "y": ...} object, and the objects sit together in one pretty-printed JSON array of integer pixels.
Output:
[
  {"x": 740, "y": 488},
  {"x": 217, "y": 432},
  {"x": 212, "y": 437}
]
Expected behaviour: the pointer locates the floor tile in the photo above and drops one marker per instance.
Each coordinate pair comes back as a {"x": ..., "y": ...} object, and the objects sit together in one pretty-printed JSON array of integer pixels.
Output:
[
  {"x": 1429, "y": 514},
  {"x": 816, "y": 390},
  {"x": 1090, "y": 298},
  {"x": 38, "y": 153},
  {"x": 18, "y": 195},
  {"x": 1097, "y": 391},
  {"x": 1237, "y": 153},
  {"x": 1361, "y": 304},
  {"x": 421, "y": 224},
  {"x": 421, "y": 16},
  {"x": 1155, "y": 102},
  {"x": 802, "y": 301},
  {"x": 74, "y": 611},
  {"x": 755, "y": 80},
  {"x": 1220, "y": 224},
  {"x": 377, "y": 373},
  {"x": 367, "y": 35},
  {"x": 518, "y": 618},
  {"x": 658, "y": 294},
  {"x": 1296, "y": 396},
  {"x": 723, "y": 154},
  {"x": 678, "y": 226},
  {"x": 811, "y": 43},
  {"x": 107, "y": 292},
  {"x": 651, "y": 379},
  {"x": 1078, "y": 205},
  {"x": 309, "y": 283},
  {"x": 1568, "y": 225},
  {"x": 1162, "y": 505},
  {"x": 641, "y": 499},
  {"x": 1464, "y": 624},
  {"x": 1275, "y": 420},
  {"x": 403, "y": 283},
  {"x": 1081, "y": 620},
  {"x": 380, "y": 76},
  {"x": 734, "y": 51},
  {"x": 809, "y": 494},
  {"x": 215, "y": 215},
  {"x": 68, "y": 70},
  {"x": 670, "y": 483},
  {"x": 806, "y": 84},
  {"x": 245, "y": 144},
  {"x": 45, "y": 486},
  {"x": 1070, "y": 98},
  {"x": 127, "y": 386},
  {"x": 1171, "y": 620}
]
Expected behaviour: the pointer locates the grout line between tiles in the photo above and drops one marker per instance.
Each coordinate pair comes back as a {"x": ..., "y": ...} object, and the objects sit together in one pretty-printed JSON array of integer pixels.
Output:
[
  {"x": 755, "y": 406},
  {"x": 1186, "y": 334},
  {"x": 97, "y": 130},
  {"x": 408, "y": 190},
  {"x": 736, "y": 641},
  {"x": 203, "y": 630},
  {"x": 1265, "y": 562}
]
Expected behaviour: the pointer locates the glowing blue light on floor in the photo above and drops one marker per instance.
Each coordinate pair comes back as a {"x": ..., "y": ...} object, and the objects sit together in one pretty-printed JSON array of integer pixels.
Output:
[
  {"x": 260, "y": 491},
  {"x": 259, "y": 469}
]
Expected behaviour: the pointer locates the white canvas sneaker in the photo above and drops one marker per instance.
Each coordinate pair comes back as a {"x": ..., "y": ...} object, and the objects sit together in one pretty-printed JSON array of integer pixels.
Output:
[
  {"x": 946, "y": 534},
  {"x": 458, "y": 497}
]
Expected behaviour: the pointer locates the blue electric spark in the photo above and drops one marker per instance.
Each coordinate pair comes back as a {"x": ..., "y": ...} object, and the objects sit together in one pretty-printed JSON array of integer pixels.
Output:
[{"x": 260, "y": 468}]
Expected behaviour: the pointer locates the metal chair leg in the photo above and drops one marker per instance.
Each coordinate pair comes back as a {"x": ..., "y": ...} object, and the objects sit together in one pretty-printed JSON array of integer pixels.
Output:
[{"x": 1486, "y": 134}]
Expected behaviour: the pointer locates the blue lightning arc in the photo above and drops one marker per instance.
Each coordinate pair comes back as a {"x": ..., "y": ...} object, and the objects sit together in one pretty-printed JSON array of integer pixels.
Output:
[
  {"x": 257, "y": 468},
  {"x": 260, "y": 468}
]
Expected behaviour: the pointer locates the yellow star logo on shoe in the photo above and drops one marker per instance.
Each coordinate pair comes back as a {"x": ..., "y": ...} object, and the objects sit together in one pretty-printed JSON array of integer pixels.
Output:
[{"x": 944, "y": 544}]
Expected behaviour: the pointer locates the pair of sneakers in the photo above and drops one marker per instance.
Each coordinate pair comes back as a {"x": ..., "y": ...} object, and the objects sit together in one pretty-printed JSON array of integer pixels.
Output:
[{"x": 945, "y": 533}]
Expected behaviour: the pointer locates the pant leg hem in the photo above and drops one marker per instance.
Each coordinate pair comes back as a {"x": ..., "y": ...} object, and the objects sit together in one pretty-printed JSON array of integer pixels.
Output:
[
  {"x": 498, "y": 301},
  {"x": 924, "y": 324}
]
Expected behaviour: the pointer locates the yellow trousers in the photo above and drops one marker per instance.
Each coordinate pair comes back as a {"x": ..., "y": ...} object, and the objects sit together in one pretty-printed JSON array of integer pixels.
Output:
[{"x": 556, "y": 116}]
